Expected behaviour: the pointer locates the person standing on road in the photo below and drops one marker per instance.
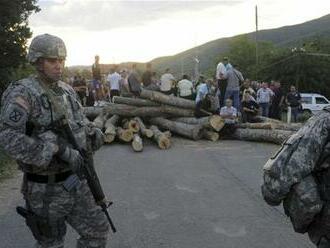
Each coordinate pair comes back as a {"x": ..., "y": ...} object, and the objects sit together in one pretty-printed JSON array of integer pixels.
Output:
[
  {"x": 147, "y": 76},
  {"x": 97, "y": 85},
  {"x": 234, "y": 77},
  {"x": 264, "y": 97},
  {"x": 277, "y": 103},
  {"x": 221, "y": 76},
  {"x": 134, "y": 81},
  {"x": 167, "y": 81},
  {"x": 113, "y": 81},
  {"x": 30, "y": 111},
  {"x": 293, "y": 100}
]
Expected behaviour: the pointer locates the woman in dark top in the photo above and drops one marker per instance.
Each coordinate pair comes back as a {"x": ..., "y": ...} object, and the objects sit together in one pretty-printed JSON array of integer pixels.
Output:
[{"x": 250, "y": 108}]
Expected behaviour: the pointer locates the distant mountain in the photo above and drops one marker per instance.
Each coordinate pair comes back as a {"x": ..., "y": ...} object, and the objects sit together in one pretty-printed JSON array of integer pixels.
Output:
[{"x": 208, "y": 52}]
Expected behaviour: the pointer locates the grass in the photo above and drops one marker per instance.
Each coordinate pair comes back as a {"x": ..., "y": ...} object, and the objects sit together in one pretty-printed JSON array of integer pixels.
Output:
[{"x": 7, "y": 166}]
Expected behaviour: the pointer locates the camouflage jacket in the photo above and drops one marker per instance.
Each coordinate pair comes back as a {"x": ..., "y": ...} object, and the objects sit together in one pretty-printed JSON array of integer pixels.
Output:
[
  {"x": 29, "y": 111},
  {"x": 298, "y": 158},
  {"x": 291, "y": 176}
]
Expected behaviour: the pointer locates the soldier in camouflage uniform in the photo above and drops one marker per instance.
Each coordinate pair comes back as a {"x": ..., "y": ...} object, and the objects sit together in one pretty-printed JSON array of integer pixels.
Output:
[
  {"x": 299, "y": 176},
  {"x": 30, "y": 109}
]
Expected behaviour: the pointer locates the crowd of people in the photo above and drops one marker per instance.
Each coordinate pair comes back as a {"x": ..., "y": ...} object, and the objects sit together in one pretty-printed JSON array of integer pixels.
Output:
[{"x": 227, "y": 94}]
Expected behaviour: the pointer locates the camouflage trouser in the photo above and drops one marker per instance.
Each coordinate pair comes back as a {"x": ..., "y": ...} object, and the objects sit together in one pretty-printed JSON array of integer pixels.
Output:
[
  {"x": 324, "y": 243},
  {"x": 319, "y": 230},
  {"x": 77, "y": 208}
]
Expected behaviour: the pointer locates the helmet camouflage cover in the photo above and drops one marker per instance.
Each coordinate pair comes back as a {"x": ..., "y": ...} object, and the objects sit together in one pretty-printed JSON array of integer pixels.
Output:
[{"x": 46, "y": 46}]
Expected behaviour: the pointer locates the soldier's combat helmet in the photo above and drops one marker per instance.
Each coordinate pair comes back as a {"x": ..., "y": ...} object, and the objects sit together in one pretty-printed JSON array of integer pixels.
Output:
[{"x": 46, "y": 46}]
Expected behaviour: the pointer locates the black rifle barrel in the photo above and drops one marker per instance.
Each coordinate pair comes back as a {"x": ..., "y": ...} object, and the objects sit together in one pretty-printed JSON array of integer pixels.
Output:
[{"x": 90, "y": 173}]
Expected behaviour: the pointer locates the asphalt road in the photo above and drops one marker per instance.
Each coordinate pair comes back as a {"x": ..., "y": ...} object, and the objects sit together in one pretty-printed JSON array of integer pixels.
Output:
[{"x": 195, "y": 195}]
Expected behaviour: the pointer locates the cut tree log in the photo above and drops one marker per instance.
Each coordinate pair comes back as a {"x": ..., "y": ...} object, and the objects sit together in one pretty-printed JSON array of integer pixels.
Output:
[
  {"x": 92, "y": 112},
  {"x": 168, "y": 134},
  {"x": 261, "y": 125},
  {"x": 125, "y": 135},
  {"x": 110, "y": 129},
  {"x": 131, "y": 124},
  {"x": 266, "y": 119},
  {"x": 131, "y": 111},
  {"x": 271, "y": 125},
  {"x": 165, "y": 99},
  {"x": 212, "y": 122},
  {"x": 99, "y": 121},
  {"x": 160, "y": 138},
  {"x": 262, "y": 135},
  {"x": 137, "y": 143},
  {"x": 144, "y": 131},
  {"x": 137, "y": 102},
  {"x": 186, "y": 130},
  {"x": 210, "y": 135}
]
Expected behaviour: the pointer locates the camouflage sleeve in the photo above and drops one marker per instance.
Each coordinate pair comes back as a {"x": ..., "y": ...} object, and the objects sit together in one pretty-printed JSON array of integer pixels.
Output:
[{"x": 16, "y": 109}]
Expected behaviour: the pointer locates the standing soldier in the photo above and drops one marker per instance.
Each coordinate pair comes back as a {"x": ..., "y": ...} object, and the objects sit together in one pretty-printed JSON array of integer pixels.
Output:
[{"x": 53, "y": 193}]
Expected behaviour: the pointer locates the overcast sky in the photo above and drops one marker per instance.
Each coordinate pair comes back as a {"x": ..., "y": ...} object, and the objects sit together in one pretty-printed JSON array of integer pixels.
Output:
[{"x": 122, "y": 31}]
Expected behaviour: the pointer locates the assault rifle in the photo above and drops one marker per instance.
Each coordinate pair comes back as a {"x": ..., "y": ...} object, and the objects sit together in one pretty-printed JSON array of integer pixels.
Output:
[{"x": 89, "y": 172}]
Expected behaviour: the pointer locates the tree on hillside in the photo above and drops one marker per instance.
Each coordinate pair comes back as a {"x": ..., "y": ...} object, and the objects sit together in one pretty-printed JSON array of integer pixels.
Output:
[
  {"x": 307, "y": 66},
  {"x": 14, "y": 32},
  {"x": 242, "y": 52}
]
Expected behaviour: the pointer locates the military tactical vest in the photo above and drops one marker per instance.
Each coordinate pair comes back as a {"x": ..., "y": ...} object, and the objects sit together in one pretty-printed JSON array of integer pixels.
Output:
[{"x": 51, "y": 103}]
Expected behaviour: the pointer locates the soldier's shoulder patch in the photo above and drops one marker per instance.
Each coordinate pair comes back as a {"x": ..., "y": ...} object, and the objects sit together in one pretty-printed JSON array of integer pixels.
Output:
[{"x": 15, "y": 115}]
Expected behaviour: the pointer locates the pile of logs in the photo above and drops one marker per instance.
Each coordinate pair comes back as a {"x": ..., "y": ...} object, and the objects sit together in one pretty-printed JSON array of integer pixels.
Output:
[{"x": 156, "y": 116}]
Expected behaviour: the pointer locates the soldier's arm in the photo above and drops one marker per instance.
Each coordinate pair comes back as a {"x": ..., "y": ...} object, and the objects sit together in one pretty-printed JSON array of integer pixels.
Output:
[{"x": 16, "y": 109}]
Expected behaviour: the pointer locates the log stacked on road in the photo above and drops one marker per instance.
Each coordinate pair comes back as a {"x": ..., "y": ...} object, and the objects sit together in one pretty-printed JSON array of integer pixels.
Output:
[{"x": 155, "y": 116}]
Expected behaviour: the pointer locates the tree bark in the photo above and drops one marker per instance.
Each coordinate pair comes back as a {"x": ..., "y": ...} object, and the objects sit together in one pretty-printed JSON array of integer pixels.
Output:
[
  {"x": 262, "y": 135},
  {"x": 186, "y": 130},
  {"x": 131, "y": 124},
  {"x": 165, "y": 99},
  {"x": 125, "y": 135},
  {"x": 92, "y": 112},
  {"x": 130, "y": 111},
  {"x": 211, "y": 122},
  {"x": 137, "y": 102},
  {"x": 160, "y": 138},
  {"x": 210, "y": 135},
  {"x": 261, "y": 125},
  {"x": 144, "y": 131},
  {"x": 168, "y": 134},
  {"x": 137, "y": 143},
  {"x": 268, "y": 120},
  {"x": 99, "y": 121},
  {"x": 110, "y": 129},
  {"x": 271, "y": 125}
]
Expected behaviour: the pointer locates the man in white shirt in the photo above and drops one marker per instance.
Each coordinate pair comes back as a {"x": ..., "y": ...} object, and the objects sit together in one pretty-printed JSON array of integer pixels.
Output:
[
  {"x": 228, "y": 112},
  {"x": 113, "y": 81},
  {"x": 221, "y": 76},
  {"x": 185, "y": 88},
  {"x": 166, "y": 82},
  {"x": 264, "y": 97}
]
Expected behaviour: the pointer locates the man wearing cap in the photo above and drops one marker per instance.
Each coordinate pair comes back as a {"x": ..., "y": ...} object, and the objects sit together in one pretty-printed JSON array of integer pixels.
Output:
[{"x": 30, "y": 112}]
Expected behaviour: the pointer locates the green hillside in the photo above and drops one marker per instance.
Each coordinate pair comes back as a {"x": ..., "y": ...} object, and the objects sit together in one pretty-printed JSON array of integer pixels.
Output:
[{"x": 210, "y": 52}]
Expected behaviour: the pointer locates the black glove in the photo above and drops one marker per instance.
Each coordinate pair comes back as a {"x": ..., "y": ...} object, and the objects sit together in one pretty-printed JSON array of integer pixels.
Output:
[{"x": 72, "y": 157}]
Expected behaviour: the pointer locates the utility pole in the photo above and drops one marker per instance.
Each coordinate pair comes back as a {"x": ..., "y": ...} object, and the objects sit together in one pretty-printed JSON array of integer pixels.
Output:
[
  {"x": 257, "y": 56},
  {"x": 196, "y": 69}
]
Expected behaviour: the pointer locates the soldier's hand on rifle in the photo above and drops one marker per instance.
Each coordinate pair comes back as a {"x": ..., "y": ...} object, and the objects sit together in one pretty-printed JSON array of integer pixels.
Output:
[
  {"x": 72, "y": 157},
  {"x": 96, "y": 135}
]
